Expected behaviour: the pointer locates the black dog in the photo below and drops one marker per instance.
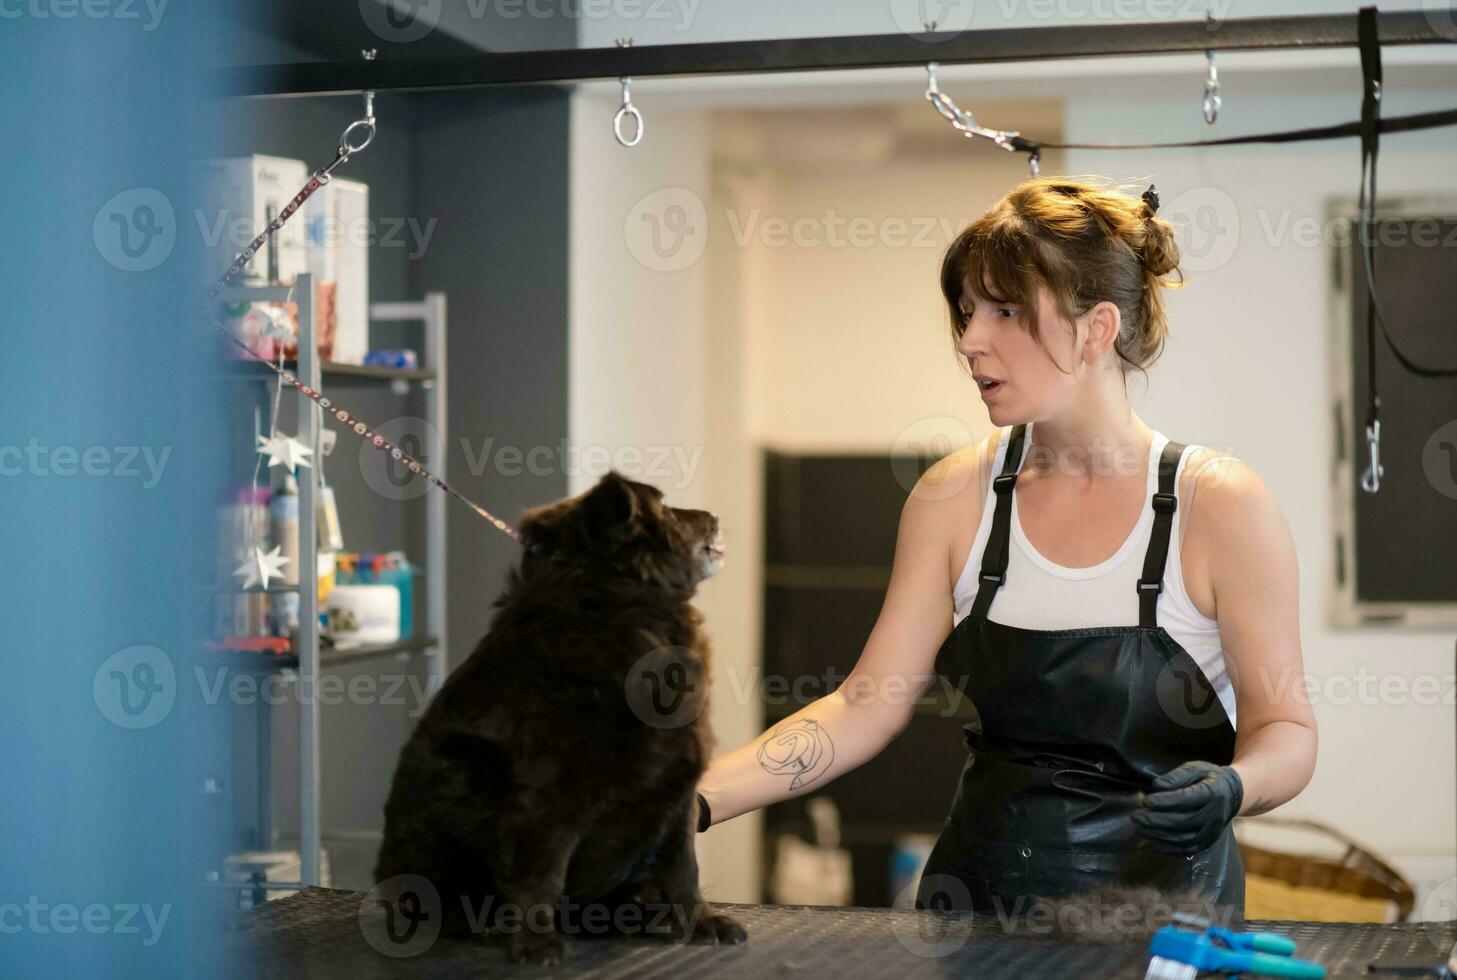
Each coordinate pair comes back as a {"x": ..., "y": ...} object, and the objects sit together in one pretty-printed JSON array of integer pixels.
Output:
[{"x": 560, "y": 760}]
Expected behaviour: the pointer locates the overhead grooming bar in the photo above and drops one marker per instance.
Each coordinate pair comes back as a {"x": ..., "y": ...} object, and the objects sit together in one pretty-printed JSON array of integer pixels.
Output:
[{"x": 900, "y": 50}]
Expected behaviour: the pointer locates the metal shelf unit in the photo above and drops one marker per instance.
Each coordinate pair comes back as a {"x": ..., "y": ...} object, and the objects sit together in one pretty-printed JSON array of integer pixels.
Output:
[{"x": 306, "y": 657}]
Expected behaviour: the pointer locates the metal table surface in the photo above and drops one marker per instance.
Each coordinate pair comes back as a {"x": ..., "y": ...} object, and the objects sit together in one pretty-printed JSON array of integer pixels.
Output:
[{"x": 323, "y": 932}]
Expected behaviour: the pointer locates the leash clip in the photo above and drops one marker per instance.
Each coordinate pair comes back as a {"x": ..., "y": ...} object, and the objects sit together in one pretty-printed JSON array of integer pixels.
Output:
[
  {"x": 1371, "y": 479},
  {"x": 1212, "y": 101}
]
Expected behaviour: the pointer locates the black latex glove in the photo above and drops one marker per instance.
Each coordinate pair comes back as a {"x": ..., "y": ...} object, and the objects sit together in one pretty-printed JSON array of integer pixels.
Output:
[
  {"x": 705, "y": 817},
  {"x": 1189, "y": 807}
]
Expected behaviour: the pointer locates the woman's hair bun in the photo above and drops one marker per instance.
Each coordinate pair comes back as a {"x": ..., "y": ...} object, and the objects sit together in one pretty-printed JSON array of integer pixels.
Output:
[{"x": 1160, "y": 250}]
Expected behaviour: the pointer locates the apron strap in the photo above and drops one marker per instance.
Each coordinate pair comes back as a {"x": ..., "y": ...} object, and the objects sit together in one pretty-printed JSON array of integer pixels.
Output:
[
  {"x": 1165, "y": 502},
  {"x": 994, "y": 556}
]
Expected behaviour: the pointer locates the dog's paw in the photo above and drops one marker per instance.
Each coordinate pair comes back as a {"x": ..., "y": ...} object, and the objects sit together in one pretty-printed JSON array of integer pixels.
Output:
[
  {"x": 718, "y": 930},
  {"x": 541, "y": 948}
]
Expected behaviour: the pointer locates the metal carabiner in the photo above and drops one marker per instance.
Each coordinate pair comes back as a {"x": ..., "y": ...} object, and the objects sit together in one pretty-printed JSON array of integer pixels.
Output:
[
  {"x": 1212, "y": 100},
  {"x": 346, "y": 148},
  {"x": 366, "y": 124},
  {"x": 627, "y": 110},
  {"x": 1371, "y": 479}
]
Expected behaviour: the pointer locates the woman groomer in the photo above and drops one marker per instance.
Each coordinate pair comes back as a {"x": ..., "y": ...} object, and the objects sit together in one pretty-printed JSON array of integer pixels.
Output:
[{"x": 1115, "y": 600}]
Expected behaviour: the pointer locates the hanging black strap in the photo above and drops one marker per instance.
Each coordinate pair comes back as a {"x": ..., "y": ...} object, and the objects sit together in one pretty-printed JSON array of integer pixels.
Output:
[
  {"x": 1165, "y": 502},
  {"x": 994, "y": 556},
  {"x": 1392, "y": 124},
  {"x": 1370, "y": 47}
]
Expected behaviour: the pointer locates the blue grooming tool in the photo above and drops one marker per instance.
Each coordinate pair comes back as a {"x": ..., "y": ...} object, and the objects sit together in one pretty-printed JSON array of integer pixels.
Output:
[{"x": 1191, "y": 945}]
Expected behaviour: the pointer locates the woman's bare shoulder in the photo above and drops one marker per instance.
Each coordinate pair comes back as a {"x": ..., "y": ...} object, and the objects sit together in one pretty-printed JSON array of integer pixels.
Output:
[
  {"x": 1239, "y": 520},
  {"x": 1205, "y": 471},
  {"x": 964, "y": 473},
  {"x": 1220, "y": 498},
  {"x": 950, "y": 493},
  {"x": 1220, "y": 489}
]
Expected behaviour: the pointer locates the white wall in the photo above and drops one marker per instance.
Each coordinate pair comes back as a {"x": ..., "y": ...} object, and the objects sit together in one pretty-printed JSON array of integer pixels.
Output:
[
  {"x": 849, "y": 343},
  {"x": 844, "y": 348},
  {"x": 649, "y": 376}
]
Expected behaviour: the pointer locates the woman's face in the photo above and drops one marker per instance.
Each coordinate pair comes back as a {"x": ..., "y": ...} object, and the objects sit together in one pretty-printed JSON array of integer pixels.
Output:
[{"x": 997, "y": 347}]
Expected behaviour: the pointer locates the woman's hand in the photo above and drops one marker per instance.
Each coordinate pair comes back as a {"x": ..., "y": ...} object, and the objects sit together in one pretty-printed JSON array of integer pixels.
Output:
[
  {"x": 1191, "y": 806},
  {"x": 705, "y": 815}
]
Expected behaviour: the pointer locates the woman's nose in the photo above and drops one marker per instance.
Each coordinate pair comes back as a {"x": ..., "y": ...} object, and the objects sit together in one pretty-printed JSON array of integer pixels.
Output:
[{"x": 972, "y": 340}]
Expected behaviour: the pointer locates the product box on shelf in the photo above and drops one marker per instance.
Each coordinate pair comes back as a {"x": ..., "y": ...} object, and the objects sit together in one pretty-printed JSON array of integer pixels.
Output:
[
  {"x": 237, "y": 197},
  {"x": 338, "y": 235}
]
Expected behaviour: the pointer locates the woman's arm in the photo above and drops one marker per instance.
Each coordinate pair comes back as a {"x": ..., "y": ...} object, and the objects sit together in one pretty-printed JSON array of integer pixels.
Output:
[
  {"x": 1255, "y": 579},
  {"x": 1245, "y": 545},
  {"x": 831, "y": 736}
]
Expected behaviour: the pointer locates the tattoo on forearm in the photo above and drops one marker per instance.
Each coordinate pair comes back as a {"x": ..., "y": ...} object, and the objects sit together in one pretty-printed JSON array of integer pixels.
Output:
[
  {"x": 1261, "y": 805},
  {"x": 802, "y": 749}
]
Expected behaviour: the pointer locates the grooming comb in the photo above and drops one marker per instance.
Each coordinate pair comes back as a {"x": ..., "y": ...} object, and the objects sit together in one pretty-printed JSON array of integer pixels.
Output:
[{"x": 1191, "y": 945}]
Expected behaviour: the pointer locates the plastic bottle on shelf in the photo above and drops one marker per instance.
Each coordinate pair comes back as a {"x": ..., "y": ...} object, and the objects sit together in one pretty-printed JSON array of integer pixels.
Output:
[
  {"x": 390, "y": 568},
  {"x": 240, "y": 613},
  {"x": 283, "y": 515}
]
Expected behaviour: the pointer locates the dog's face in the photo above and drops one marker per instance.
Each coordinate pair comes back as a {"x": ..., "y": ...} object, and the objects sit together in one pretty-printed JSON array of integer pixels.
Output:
[{"x": 623, "y": 528}]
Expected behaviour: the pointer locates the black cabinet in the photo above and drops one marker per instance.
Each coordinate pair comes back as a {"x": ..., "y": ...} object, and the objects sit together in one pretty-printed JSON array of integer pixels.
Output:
[{"x": 830, "y": 531}]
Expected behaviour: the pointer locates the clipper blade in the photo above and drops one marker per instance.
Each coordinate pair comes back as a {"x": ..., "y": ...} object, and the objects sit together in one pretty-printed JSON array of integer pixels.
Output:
[{"x": 1163, "y": 968}]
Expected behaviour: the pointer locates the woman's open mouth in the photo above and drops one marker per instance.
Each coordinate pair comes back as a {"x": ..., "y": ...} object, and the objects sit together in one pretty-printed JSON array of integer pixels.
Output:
[{"x": 988, "y": 386}]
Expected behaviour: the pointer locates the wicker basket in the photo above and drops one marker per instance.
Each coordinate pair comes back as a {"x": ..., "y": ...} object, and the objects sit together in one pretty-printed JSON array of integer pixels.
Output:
[{"x": 1356, "y": 887}]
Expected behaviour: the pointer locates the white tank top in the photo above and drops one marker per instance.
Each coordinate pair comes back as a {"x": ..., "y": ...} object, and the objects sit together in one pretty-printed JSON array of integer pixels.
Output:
[{"x": 1042, "y": 595}]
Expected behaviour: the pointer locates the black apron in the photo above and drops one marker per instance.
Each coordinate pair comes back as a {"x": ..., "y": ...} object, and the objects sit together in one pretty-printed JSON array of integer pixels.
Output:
[{"x": 1072, "y": 725}]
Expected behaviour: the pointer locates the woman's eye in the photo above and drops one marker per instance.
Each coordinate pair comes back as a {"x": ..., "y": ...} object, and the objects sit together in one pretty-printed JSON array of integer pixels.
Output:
[{"x": 1007, "y": 312}]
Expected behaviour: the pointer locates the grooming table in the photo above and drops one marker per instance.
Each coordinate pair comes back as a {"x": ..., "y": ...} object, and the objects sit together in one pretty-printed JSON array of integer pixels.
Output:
[{"x": 317, "y": 933}]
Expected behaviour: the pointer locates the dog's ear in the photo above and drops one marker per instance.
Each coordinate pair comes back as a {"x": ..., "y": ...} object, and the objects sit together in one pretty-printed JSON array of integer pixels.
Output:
[
  {"x": 609, "y": 508},
  {"x": 537, "y": 538}
]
